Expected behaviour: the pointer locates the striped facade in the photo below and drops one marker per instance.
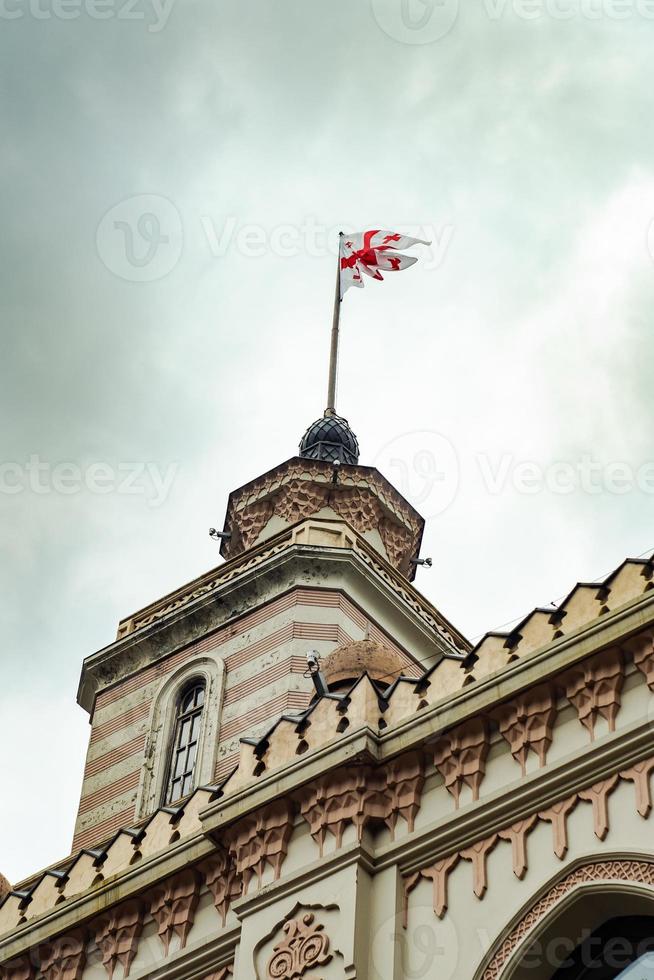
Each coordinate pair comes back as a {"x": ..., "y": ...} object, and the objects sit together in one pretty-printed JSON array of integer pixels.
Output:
[{"x": 264, "y": 653}]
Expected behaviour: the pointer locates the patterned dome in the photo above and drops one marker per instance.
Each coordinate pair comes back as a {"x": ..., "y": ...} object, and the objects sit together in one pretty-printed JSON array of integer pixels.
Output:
[
  {"x": 359, "y": 657},
  {"x": 330, "y": 438}
]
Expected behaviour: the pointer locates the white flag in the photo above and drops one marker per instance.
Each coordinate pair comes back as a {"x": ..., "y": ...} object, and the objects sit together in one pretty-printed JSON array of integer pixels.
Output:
[{"x": 370, "y": 252}]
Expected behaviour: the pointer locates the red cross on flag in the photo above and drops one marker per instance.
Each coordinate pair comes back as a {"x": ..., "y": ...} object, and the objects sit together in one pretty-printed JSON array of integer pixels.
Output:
[{"x": 370, "y": 252}]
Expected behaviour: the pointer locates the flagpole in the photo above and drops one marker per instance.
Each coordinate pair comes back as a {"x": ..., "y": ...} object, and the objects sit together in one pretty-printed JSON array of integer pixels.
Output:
[{"x": 333, "y": 354}]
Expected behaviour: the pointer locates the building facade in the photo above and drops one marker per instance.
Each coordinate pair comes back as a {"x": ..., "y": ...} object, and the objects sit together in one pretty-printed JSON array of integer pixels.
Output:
[{"x": 298, "y": 769}]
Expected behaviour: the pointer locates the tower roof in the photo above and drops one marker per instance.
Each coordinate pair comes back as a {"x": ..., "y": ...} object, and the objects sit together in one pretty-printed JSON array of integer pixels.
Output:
[{"x": 330, "y": 438}]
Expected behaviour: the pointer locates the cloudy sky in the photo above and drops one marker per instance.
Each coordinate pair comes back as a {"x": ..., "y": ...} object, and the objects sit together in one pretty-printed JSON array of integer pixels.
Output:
[{"x": 173, "y": 178}]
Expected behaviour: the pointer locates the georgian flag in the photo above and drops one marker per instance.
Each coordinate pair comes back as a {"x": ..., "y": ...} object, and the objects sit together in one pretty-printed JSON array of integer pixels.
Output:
[{"x": 370, "y": 252}]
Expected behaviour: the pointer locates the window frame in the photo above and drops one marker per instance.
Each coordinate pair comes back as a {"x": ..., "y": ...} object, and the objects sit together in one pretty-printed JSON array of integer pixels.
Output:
[
  {"x": 196, "y": 684},
  {"x": 160, "y": 727}
]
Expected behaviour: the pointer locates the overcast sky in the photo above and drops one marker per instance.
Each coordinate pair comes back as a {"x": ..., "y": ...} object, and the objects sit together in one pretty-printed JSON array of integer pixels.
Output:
[{"x": 173, "y": 177}]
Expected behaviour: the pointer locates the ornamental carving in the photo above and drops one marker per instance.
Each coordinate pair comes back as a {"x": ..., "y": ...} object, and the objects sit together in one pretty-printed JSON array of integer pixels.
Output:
[
  {"x": 260, "y": 839},
  {"x": 117, "y": 936},
  {"x": 460, "y": 757},
  {"x": 222, "y": 881},
  {"x": 360, "y": 795},
  {"x": 252, "y": 522},
  {"x": 642, "y": 649},
  {"x": 64, "y": 958},
  {"x": 526, "y": 723},
  {"x": 224, "y": 973},
  {"x": 21, "y": 969},
  {"x": 594, "y": 687},
  {"x": 304, "y": 947},
  {"x": 300, "y": 488},
  {"x": 173, "y": 905},
  {"x": 516, "y": 834}
]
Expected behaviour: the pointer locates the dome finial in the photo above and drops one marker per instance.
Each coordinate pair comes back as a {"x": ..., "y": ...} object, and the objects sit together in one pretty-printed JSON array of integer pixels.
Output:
[{"x": 330, "y": 438}]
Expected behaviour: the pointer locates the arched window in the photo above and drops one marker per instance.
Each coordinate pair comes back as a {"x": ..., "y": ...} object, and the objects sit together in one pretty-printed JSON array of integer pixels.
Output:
[{"x": 184, "y": 749}]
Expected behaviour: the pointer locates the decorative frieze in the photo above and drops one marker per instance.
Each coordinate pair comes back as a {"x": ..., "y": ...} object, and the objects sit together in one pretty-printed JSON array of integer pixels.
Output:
[
  {"x": 517, "y": 833},
  {"x": 361, "y": 795}
]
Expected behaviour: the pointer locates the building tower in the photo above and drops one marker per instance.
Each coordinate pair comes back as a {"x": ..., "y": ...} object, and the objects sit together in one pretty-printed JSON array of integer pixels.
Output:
[{"x": 298, "y": 768}]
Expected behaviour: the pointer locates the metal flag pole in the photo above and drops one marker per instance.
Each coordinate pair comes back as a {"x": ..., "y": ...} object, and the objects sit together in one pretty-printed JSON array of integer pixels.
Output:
[{"x": 333, "y": 355}]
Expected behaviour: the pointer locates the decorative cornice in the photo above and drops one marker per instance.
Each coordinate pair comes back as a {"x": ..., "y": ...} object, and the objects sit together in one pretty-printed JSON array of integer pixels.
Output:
[
  {"x": 192, "y": 616},
  {"x": 477, "y": 853},
  {"x": 234, "y": 818}
]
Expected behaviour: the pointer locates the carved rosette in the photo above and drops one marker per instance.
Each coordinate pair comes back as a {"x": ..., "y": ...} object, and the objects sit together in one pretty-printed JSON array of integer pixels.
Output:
[{"x": 304, "y": 947}]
